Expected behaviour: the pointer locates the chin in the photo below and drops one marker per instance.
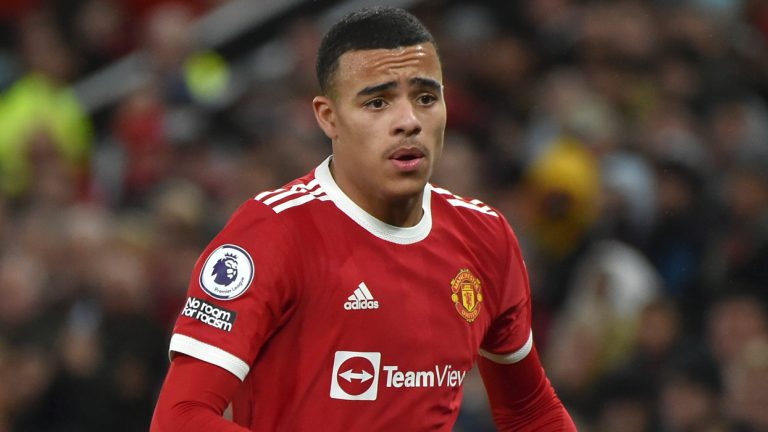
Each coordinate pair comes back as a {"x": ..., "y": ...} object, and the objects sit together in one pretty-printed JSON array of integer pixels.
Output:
[{"x": 406, "y": 189}]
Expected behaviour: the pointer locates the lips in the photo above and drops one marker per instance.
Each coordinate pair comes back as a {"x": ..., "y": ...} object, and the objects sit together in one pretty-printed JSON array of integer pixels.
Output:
[
  {"x": 407, "y": 159},
  {"x": 406, "y": 154}
]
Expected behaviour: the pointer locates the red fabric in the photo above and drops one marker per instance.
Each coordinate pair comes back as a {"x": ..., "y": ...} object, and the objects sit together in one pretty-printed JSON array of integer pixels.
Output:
[
  {"x": 521, "y": 397},
  {"x": 313, "y": 350},
  {"x": 191, "y": 404}
]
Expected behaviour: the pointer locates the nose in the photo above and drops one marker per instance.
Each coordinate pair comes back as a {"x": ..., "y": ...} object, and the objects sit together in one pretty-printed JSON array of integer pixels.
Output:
[{"x": 406, "y": 123}]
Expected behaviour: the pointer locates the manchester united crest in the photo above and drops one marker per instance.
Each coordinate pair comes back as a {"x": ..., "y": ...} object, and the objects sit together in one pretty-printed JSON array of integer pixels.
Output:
[{"x": 466, "y": 294}]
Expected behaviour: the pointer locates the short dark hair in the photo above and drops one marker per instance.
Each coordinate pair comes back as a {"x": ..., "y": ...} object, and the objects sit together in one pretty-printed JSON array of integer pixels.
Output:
[{"x": 370, "y": 28}]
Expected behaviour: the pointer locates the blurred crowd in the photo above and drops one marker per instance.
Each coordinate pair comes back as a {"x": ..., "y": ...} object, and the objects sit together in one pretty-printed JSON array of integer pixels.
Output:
[{"x": 626, "y": 141}]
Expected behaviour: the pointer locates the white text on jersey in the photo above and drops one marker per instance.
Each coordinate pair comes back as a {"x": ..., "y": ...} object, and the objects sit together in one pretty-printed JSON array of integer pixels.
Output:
[
  {"x": 361, "y": 299},
  {"x": 446, "y": 376}
]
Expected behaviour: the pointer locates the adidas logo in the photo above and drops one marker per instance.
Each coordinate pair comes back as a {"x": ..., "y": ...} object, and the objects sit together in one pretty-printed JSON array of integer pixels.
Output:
[{"x": 361, "y": 299}]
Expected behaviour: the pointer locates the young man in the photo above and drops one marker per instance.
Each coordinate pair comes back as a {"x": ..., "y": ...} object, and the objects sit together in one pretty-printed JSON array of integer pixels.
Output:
[{"x": 358, "y": 296}]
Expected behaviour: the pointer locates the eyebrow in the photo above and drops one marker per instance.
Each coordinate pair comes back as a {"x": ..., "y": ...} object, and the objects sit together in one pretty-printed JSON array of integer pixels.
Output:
[
  {"x": 417, "y": 81},
  {"x": 426, "y": 82},
  {"x": 377, "y": 88}
]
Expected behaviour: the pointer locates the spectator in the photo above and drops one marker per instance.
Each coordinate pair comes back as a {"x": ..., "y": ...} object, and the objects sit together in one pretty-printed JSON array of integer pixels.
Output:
[
  {"x": 747, "y": 386},
  {"x": 39, "y": 114}
]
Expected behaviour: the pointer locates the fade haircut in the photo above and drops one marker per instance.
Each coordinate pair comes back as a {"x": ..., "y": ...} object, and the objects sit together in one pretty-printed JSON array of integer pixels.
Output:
[{"x": 370, "y": 28}]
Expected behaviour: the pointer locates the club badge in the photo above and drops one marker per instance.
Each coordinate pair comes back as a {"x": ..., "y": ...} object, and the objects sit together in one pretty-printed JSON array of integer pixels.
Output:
[{"x": 466, "y": 296}]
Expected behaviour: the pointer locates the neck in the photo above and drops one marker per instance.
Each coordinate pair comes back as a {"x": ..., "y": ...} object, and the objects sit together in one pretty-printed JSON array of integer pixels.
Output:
[{"x": 401, "y": 212}]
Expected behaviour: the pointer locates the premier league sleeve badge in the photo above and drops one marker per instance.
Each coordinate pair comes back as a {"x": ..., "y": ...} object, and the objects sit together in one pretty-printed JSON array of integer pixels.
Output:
[{"x": 227, "y": 272}]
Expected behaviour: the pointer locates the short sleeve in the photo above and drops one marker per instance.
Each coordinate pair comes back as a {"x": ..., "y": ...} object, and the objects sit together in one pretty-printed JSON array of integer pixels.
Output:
[
  {"x": 240, "y": 291},
  {"x": 509, "y": 338}
]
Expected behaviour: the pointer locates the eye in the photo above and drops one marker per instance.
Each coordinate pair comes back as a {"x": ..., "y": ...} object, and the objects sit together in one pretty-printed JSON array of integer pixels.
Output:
[
  {"x": 426, "y": 99},
  {"x": 375, "y": 104}
]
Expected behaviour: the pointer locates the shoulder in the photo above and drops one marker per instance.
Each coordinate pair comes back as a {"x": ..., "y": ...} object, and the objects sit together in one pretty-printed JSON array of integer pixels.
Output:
[
  {"x": 268, "y": 208},
  {"x": 265, "y": 229},
  {"x": 473, "y": 211},
  {"x": 294, "y": 195},
  {"x": 271, "y": 206},
  {"x": 473, "y": 218}
]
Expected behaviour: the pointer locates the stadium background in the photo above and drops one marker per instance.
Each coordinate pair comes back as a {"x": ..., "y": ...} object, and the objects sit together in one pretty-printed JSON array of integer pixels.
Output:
[{"x": 626, "y": 141}]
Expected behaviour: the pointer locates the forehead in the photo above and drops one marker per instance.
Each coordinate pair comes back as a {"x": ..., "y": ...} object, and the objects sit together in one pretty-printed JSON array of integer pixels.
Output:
[{"x": 365, "y": 67}]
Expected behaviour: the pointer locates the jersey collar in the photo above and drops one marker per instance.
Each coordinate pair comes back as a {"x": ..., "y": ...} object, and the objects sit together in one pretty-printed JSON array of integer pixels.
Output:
[{"x": 374, "y": 226}]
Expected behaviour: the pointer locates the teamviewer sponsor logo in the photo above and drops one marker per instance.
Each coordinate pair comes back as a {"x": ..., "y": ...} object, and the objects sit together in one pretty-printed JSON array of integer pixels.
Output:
[
  {"x": 355, "y": 375},
  {"x": 207, "y": 313},
  {"x": 361, "y": 299}
]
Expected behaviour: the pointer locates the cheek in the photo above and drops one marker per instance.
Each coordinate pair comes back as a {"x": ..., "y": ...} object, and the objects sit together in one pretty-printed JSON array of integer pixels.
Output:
[
  {"x": 356, "y": 141},
  {"x": 438, "y": 131},
  {"x": 356, "y": 123},
  {"x": 437, "y": 119},
  {"x": 367, "y": 131},
  {"x": 440, "y": 128},
  {"x": 348, "y": 131}
]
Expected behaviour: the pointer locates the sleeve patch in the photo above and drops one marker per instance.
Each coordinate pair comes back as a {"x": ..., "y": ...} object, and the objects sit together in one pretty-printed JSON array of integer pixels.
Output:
[
  {"x": 210, "y": 314},
  {"x": 227, "y": 273}
]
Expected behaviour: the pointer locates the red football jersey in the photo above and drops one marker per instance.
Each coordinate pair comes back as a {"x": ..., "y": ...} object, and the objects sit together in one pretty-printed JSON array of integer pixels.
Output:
[{"x": 335, "y": 320}]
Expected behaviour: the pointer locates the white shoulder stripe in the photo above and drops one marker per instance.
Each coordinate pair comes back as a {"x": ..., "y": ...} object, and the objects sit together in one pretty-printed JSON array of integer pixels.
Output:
[
  {"x": 209, "y": 353},
  {"x": 441, "y": 191},
  {"x": 281, "y": 199},
  {"x": 482, "y": 209},
  {"x": 260, "y": 196},
  {"x": 458, "y": 201},
  {"x": 278, "y": 197},
  {"x": 319, "y": 193},
  {"x": 513, "y": 357},
  {"x": 312, "y": 184},
  {"x": 293, "y": 203}
]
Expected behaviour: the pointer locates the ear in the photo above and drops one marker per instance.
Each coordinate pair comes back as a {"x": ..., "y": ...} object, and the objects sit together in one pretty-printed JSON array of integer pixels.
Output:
[{"x": 325, "y": 115}]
